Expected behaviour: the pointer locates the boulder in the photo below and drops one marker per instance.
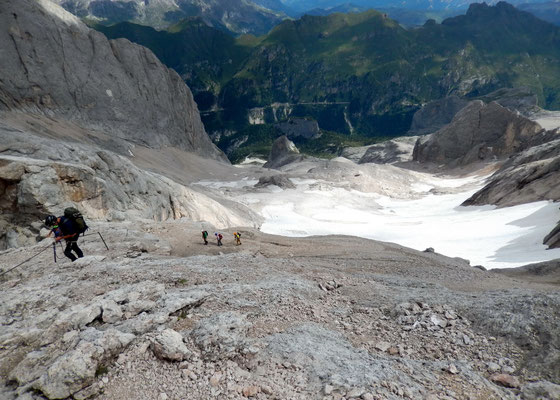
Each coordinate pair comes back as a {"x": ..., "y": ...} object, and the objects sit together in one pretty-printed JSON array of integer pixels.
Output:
[
  {"x": 478, "y": 132},
  {"x": 168, "y": 345},
  {"x": 283, "y": 152},
  {"x": 278, "y": 180},
  {"x": 505, "y": 380}
]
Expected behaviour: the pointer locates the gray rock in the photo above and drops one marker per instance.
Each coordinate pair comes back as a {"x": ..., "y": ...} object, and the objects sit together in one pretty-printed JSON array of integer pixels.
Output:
[
  {"x": 390, "y": 151},
  {"x": 283, "y": 152},
  {"x": 221, "y": 335},
  {"x": 552, "y": 240},
  {"x": 281, "y": 181},
  {"x": 478, "y": 132},
  {"x": 53, "y": 64},
  {"x": 529, "y": 176},
  {"x": 520, "y": 99},
  {"x": 168, "y": 345},
  {"x": 112, "y": 312},
  {"x": 299, "y": 127},
  {"x": 436, "y": 114}
]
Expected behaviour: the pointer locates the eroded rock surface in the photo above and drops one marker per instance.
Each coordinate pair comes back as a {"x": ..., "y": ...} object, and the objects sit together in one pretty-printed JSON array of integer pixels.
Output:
[
  {"x": 283, "y": 152},
  {"x": 478, "y": 132},
  {"x": 529, "y": 176},
  {"x": 260, "y": 321},
  {"x": 53, "y": 64}
]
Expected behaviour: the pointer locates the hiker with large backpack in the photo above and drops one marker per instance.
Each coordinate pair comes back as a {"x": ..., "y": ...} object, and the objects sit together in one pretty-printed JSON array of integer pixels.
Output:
[
  {"x": 205, "y": 237},
  {"x": 68, "y": 227},
  {"x": 219, "y": 238},
  {"x": 237, "y": 237}
]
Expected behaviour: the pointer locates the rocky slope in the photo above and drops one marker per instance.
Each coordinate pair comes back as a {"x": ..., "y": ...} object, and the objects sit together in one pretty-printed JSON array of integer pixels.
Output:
[
  {"x": 162, "y": 316},
  {"x": 54, "y": 65},
  {"x": 478, "y": 132},
  {"x": 40, "y": 176},
  {"x": 531, "y": 175}
]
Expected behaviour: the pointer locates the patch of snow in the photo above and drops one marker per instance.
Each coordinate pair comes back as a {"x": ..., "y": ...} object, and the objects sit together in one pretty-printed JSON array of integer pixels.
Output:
[
  {"x": 485, "y": 235},
  {"x": 251, "y": 160}
]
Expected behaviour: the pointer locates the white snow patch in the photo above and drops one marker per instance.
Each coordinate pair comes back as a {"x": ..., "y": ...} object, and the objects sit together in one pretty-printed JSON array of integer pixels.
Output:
[
  {"x": 251, "y": 160},
  {"x": 485, "y": 235}
]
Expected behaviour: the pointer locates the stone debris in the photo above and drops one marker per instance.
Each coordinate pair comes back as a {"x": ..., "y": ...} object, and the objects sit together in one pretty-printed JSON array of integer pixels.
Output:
[
  {"x": 168, "y": 345},
  {"x": 272, "y": 335},
  {"x": 505, "y": 380},
  {"x": 329, "y": 285}
]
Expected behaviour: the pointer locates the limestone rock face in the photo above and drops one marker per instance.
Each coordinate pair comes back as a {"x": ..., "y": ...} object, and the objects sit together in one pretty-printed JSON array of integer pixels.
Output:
[
  {"x": 438, "y": 113},
  {"x": 103, "y": 185},
  {"x": 390, "y": 151},
  {"x": 478, "y": 132},
  {"x": 53, "y": 64},
  {"x": 532, "y": 175},
  {"x": 283, "y": 152},
  {"x": 299, "y": 127}
]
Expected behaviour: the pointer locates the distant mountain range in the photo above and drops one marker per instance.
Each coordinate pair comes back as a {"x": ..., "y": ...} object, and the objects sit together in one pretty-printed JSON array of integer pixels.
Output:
[
  {"x": 305, "y": 5},
  {"x": 236, "y": 16},
  {"x": 356, "y": 72},
  {"x": 259, "y": 16},
  {"x": 549, "y": 11}
]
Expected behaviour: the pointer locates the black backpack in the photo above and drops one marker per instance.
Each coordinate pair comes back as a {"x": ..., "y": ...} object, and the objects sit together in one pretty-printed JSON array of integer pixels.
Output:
[{"x": 77, "y": 218}]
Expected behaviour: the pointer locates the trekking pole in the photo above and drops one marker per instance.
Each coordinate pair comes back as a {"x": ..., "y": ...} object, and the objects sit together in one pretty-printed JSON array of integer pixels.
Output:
[
  {"x": 23, "y": 262},
  {"x": 54, "y": 250},
  {"x": 103, "y": 240}
]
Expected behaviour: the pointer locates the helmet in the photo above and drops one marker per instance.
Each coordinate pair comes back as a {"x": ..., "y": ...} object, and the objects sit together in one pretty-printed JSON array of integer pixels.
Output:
[{"x": 50, "y": 220}]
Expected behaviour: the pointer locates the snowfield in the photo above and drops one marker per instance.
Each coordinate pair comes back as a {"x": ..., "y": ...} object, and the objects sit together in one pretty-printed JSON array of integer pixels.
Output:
[{"x": 484, "y": 235}]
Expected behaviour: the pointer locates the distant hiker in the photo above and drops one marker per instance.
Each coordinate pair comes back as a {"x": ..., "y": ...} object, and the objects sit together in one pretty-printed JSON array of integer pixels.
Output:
[
  {"x": 237, "y": 237},
  {"x": 205, "y": 237},
  {"x": 68, "y": 227},
  {"x": 219, "y": 238}
]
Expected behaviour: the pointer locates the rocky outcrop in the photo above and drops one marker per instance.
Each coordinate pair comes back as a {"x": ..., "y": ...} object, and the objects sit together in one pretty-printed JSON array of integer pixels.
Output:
[
  {"x": 299, "y": 127},
  {"x": 52, "y": 64},
  {"x": 40, "y": 176},
  {"x": 283, "y": 152},
  {"x": 552, "y": 240},
  {"x": 521, "y": 99},
  {"x": 478, "y": 132},
  {"x": 390, "y": 151},
  {"x": 529, "y": 176},
  {"x": 281, "y": 181},
  {"x": 436, "y": 114}
]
